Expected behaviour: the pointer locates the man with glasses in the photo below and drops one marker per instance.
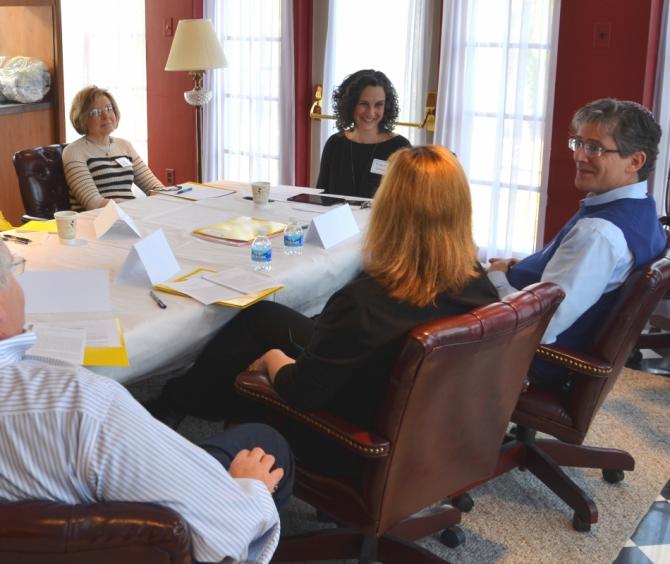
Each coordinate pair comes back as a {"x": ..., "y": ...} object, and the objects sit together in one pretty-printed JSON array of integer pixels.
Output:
[
  {"x": 72, "y": 436},
  {"x": 615, "y": 230}
]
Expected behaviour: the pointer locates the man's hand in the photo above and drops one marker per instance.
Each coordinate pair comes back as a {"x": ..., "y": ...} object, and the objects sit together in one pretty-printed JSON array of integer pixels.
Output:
[
  {"x": 271, "y": 362},
  {"x": 257, "y": 465},
  {"x": 502, "y": 265}
]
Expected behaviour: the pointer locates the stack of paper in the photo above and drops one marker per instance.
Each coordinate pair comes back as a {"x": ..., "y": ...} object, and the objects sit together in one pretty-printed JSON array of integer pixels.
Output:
[
  {"x": 235, "y": 287},
  {"x": 241, "y": 229}
]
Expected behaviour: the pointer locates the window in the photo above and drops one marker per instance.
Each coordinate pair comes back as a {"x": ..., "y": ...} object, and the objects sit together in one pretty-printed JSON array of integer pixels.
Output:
[
  {"x": 242, "y": 122},
  {"x": 104, "y": 44}
]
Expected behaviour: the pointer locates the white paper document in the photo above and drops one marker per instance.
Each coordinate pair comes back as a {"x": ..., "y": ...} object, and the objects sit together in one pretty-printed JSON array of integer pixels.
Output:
[
  {"x": 333, "y": 227},
  {"x": 150, "y": 261},
  {"x": 66, "y": 291},
  {"x": 59, "y": 342},
  {"x": 99, "y": 332},
  {"x": 242, "y": 280},
  {"x": 195, "y": 192},
  {"x": 114, "y": 221},
  {"x": 204, "y": 291}
]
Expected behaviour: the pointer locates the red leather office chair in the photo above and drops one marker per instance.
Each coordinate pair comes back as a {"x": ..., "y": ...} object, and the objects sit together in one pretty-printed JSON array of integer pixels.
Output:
[
  {"x": 439, "y": 427},
  {"x": 35, "y": 532},
  {"x": 568, "y": 416},
  {"x": 42, "y": 180}
]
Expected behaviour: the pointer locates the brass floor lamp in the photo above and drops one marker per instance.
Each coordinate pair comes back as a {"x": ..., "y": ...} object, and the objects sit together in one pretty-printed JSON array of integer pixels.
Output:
[{"x": 195, "y": 49}]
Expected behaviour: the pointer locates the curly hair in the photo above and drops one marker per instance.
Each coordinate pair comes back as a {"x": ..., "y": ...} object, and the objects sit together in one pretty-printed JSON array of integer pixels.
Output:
[
  {"x": 346, "y": 95},
  {"x": 82, "y": 103},
  {"x": 632, "y": 126}
]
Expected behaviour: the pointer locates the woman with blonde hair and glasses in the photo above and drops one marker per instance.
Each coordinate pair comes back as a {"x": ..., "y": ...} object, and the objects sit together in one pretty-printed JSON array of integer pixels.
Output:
[
  {"x": 419, "y": 264},
  {"x": 99, "y": 167}
]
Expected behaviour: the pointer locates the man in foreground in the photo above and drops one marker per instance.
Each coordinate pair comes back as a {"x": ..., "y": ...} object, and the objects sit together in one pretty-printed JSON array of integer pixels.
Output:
[
  {"x": 615, "y": 230},
  {"x": 69, "y": 435}
]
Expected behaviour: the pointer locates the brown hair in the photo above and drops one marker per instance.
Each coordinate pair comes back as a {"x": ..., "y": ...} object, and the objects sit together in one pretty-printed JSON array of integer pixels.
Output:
[
  {"x": 82, "y": 103},
  {"x": 419, "y": 241}
]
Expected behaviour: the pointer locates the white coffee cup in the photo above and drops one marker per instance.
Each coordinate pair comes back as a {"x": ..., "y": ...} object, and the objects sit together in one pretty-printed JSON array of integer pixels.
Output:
[
  {"x": 66, "y": 224},
  {"x": 260, "y": 191}
]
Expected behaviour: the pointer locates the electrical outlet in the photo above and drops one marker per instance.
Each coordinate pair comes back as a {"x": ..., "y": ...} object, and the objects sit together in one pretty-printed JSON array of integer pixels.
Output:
[
  {"x": 168, "y": 27},
  {"x": 602, "y": 35},
  {"x": 169, "y": 176}
]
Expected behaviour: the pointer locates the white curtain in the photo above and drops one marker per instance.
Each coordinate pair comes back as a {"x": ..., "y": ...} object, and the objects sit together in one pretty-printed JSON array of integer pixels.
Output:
[
  {"x": 662, "y": 112},
  {"x": 494, "y": 111},
  {"x": 86, "y": 51},
  {"x": 403, "y": 58},
  {"x": 251, "y": 115}
]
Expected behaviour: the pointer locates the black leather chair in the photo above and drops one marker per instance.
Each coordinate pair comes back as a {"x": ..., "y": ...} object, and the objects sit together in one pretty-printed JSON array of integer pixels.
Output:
[
  {"x": 42, "y": 181},
  {"x": 439, "y": 426}
]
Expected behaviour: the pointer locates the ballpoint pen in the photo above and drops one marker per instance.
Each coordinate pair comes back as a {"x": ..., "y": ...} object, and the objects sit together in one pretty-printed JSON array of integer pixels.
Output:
[
  {"x": 16, "y": 239},
  {"x": 184, "y": 189},
  {"x": 160, "y": 303}
]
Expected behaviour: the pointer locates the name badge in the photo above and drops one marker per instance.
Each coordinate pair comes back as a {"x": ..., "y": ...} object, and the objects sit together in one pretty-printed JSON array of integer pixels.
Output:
[
  {"x": 123, "y": 161},
  {"x": 378, "y": 166}
]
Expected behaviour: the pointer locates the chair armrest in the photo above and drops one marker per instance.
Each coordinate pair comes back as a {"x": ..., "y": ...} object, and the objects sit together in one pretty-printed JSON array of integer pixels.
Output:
[
  {"x": 256, "y": 386},
  {"x": 52, "y": 527},
  {"x": 579, "y": 362}
]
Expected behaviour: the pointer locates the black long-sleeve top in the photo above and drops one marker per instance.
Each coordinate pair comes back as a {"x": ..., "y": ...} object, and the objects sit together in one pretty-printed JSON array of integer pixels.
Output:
[
  {"x": 357, "y": 337},
  {"x": 345, "y": 165}
]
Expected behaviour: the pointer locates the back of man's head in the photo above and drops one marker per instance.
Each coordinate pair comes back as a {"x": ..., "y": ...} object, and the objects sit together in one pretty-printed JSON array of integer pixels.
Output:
[{"x": 632, "y": 126}]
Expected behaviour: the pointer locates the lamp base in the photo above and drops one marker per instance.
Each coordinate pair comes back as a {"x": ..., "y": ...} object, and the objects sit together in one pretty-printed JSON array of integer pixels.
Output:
[{"x": 198, "y": 97}]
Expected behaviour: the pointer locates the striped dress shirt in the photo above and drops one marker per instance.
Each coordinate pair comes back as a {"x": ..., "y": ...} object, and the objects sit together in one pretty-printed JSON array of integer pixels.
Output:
[
  {"x": 69, "y": 435},
  {"x": 94, "y": 173}
]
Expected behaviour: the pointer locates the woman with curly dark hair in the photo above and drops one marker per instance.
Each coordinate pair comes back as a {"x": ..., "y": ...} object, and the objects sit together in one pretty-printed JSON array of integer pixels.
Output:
[{"x": 354, "y": 159}]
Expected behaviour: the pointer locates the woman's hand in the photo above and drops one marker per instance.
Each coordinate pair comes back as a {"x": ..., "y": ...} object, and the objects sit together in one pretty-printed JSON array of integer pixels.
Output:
[
  {"x": 503, "y": 265},
  {"x": 271, "y": 362}
]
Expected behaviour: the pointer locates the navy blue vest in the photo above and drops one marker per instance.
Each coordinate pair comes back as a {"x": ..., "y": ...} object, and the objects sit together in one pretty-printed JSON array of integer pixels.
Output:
[{"x": 646, "y": 239}]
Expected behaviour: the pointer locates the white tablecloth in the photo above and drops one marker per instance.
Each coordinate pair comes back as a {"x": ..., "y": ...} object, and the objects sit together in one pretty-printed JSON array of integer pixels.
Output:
[{"x": 160, "y": 340}]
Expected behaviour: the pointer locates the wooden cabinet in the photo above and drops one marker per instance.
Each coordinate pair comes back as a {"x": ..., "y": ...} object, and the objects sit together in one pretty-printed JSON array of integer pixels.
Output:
[{"x": 31, "y": 28}]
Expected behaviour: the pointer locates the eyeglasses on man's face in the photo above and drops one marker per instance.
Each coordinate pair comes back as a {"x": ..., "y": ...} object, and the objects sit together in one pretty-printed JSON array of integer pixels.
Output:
[
  {"x": 590, "y": 149},
  {"x": 97, "y": 112},
  {"x": 18, "y": 265}
]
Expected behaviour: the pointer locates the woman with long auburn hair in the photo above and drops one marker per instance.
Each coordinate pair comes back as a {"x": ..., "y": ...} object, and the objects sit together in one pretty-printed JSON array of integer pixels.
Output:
[{"x": 419, "y": 265}]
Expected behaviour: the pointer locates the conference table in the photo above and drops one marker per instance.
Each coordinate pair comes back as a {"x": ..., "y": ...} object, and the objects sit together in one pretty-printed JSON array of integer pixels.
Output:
[{"x": 165, "y": 340}]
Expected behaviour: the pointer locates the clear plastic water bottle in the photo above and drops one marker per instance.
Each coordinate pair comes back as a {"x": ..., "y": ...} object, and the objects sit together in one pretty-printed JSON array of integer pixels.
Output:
[
  {"x": 293, "y": 238},
  {"x": 261, "y": 252}
]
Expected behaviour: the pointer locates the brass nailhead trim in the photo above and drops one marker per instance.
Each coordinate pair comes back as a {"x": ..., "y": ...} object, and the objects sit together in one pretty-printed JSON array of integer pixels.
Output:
[
  {"x": 574, "y": 362},
  {"x": 370, "y": 451}
]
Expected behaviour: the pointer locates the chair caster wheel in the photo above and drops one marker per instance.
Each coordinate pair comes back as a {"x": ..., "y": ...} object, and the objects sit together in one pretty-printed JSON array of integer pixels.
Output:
[
  {"x": 463, "y": 503},
  {"x": 613, "y": 476},
  {"x": 578, "y": 524},
  {"x": 452, "y": 537}
]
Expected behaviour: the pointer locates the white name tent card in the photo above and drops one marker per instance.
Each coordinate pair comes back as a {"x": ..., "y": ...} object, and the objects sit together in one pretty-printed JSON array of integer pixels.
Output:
[
  {"x": 66, "y": 292},
  {"x": 115, "y": 221},
  {"x": 332, "y": 227},
  {"x": 150, "y": 261}
]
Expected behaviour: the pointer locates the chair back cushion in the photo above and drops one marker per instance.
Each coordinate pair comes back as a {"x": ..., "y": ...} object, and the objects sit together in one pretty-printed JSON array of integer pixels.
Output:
[
  {"x": 42, "y": 180},
  {"x": 450, "y": 398}
]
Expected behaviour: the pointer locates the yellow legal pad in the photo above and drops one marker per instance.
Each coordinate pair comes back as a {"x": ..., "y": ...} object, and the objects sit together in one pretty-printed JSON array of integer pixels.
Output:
[
  {"x": 108, "y": 356},
  {"x": 48, "y": 226},
  {"x": 243, "y": 228},
  {"x": 240, "y": 302}
]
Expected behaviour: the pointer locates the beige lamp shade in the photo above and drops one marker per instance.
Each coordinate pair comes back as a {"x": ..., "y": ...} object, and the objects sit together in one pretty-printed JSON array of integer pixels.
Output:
[{"x": 195, "y": 47}]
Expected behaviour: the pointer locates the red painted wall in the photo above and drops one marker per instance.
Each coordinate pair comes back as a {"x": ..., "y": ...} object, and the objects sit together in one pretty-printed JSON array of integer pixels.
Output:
[
  {"x": 171, "y": 121},
  {"x": 585, "y": 72},
  {"x": 302, "y": 31}
]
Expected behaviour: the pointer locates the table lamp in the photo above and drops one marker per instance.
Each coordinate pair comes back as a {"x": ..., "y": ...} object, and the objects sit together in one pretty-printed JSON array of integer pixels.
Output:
[{"x": 195, "y": 49}]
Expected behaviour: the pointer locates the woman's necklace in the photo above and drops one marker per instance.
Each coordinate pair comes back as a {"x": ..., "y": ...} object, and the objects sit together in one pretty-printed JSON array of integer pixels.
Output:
[
  {"x": 106, "y": 150},
  {"x": 358, "y": 182}
]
